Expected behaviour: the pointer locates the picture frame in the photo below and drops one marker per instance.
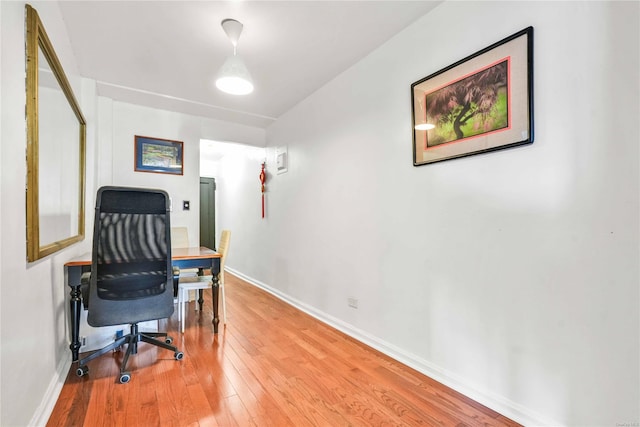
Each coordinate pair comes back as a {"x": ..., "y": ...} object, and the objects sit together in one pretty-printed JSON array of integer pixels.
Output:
[
  {"x": 479, "y": 104},
  {"x": 158, "y": 155}
]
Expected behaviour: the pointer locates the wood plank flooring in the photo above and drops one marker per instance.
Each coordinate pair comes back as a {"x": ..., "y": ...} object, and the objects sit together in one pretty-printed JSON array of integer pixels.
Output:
[{"x": 272, "y": 365}]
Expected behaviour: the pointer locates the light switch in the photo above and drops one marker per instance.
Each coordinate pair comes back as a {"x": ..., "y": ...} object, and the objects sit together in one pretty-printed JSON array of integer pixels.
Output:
[{"x": 185, "y": 205}]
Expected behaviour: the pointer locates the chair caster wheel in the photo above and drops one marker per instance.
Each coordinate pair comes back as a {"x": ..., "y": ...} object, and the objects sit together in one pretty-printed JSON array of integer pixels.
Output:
[
  {"x": 179, "y": 355},
  {"x": 82, "y": 371},
  {"x": 168, "y": 340},
  {"x": 125, "y": 378}
]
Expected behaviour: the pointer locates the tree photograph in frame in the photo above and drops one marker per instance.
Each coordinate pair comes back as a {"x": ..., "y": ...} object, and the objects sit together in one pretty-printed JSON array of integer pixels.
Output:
[
  {"x": 158, "y": 155},
  {"x": 481, "y": 103}
]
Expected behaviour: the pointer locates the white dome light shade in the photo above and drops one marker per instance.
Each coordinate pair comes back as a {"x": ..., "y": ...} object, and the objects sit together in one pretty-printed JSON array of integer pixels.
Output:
[{"x": 234, "y": 78}]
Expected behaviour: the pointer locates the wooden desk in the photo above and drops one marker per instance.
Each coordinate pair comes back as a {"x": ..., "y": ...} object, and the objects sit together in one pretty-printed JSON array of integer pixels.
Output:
[{"x": 197, "y": 257}]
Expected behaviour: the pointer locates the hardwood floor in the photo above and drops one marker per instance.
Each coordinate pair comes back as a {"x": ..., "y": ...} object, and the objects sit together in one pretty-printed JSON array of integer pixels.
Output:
[{"x": 272, "y": 365}]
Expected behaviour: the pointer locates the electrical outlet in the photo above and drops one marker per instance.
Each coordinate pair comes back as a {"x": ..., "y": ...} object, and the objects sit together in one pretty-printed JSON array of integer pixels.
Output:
[
  {"x": 353, "y": 302},
  {"x": 83, "y": 341}
]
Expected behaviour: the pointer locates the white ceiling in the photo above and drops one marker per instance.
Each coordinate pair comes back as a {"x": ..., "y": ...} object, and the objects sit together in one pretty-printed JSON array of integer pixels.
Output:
[{"x": 165, "y": 54}]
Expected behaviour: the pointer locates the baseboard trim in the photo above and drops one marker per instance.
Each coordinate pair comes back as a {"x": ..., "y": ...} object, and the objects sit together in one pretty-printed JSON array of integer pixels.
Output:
[
  {"x": 506, "y": 407},
  {"x": 42, "y": 414}
]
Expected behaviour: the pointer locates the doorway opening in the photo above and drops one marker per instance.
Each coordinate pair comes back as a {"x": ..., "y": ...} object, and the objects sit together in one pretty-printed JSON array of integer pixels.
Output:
[{"x": 228, "y": 184}]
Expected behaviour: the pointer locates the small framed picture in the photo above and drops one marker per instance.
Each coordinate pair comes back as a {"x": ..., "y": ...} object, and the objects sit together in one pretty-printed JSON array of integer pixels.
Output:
[
  {"x": 481, "y": 103},
  {"x": 158, "y": 155}
]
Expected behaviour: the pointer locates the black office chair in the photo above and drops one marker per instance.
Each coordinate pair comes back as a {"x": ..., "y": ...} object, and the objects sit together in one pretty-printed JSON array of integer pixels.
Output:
[{"x": 131, "y": 276}]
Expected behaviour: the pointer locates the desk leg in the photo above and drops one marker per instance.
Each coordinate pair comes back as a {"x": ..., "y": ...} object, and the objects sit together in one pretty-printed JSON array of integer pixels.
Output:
[
  {"x": 200, "y": 292},
  {"x": 215, "y": 289},
  {"x": 74, "y": 274}
]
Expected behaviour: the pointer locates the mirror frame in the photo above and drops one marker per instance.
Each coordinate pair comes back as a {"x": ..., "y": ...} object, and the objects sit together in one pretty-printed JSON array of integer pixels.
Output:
[{"x": 36, "y": 38}]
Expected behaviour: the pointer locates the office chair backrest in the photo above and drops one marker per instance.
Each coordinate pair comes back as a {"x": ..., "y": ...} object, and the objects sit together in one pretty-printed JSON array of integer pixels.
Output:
[{"x": 131, "y": 274}]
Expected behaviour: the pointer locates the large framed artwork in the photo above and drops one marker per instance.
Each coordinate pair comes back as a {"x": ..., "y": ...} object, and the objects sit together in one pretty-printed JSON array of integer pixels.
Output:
[
  {"x": 158, "y": 155},
  {"x": 481, "y": 103}
]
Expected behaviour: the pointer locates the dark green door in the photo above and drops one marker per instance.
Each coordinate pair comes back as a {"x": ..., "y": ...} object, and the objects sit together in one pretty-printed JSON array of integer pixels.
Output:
[{"x": 208, "y": 212}]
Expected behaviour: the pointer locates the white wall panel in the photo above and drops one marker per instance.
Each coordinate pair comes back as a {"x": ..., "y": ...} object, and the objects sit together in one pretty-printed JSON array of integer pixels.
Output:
[
  {"x": 33, "y": 297},
  {"x": 512, "y": 275}
]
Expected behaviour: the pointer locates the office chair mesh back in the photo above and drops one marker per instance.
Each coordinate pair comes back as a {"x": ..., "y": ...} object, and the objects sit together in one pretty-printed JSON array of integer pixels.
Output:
[{"x": 133, "y": 280}]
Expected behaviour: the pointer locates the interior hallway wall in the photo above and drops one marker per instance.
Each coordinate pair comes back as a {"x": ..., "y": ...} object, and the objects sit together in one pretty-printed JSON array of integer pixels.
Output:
[
  {"x": 512, "y": 276},
  {"x": 124, "y": 121},
  {"x": 34, "y": 350}
]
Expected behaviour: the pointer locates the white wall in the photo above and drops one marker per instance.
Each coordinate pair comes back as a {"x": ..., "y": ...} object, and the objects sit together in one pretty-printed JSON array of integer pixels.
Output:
[
  {"x": 236, "y": 169},
  {"x": 217, "y": 130},
  {"x": 117, "y": 141},
  {"x": 33, "y": 321},
  {"x": 130, "y": 120},
  {"x": 512, "y": 276}
]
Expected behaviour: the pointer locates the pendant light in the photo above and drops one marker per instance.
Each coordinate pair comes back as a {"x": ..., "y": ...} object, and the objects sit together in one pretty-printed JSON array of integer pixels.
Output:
[{"x": 233, "y": 77}]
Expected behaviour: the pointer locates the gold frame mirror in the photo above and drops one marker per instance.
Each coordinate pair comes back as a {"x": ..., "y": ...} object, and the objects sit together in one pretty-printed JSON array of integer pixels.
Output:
[{"x": 56, "y": 134}]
